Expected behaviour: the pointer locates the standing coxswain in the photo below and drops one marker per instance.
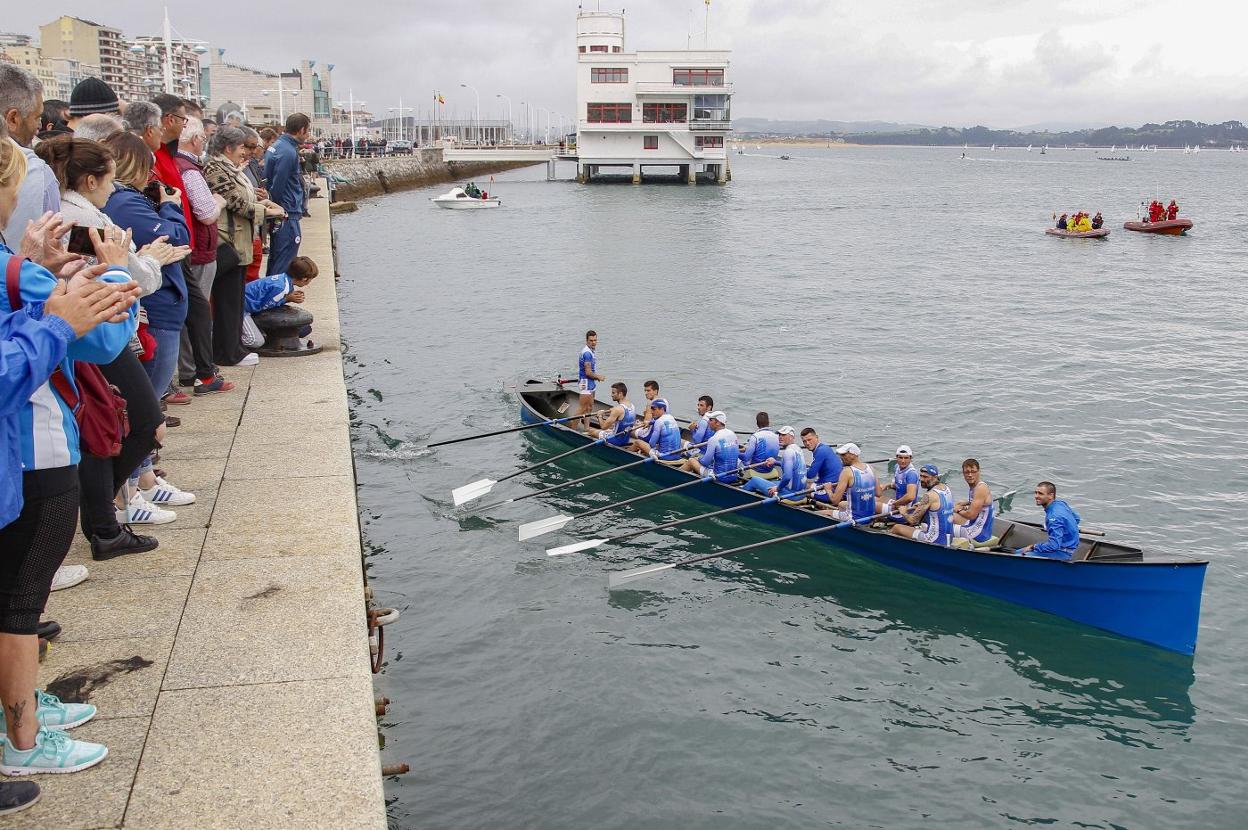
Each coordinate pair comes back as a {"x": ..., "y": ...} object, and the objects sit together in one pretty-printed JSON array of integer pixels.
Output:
[{"x": 588, "y": 378}]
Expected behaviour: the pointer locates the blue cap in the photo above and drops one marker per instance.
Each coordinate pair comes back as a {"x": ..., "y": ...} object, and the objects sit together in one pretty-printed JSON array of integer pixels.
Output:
[
  {"x": 660, "y": 403},
  {"x": 930, "y": 469}
]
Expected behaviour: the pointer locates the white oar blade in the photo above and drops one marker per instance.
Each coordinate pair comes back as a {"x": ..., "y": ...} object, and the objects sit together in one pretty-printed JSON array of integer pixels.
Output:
[
  {"x": 588, "y": 544},
  {"x": 472, "y": 491},
  {"x": 531, "y": 530},
  {"x": 618, "y": 578}
]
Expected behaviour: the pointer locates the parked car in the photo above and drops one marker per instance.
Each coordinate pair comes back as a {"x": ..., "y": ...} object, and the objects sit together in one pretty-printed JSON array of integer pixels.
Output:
[{"x": 397, "y": 147}]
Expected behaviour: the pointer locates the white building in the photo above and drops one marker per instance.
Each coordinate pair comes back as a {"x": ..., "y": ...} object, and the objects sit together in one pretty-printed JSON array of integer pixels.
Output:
[{"x": 640, "y": 110}]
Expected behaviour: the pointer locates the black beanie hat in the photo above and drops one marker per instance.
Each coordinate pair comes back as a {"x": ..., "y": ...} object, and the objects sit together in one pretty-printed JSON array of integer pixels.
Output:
[{"x": 91, "y": 95}]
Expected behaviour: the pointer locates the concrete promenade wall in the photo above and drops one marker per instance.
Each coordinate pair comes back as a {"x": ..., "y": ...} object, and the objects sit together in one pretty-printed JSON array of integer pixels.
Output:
[
  {"x": 231, "y": 665},
  {"x": 375, "y": 176}
]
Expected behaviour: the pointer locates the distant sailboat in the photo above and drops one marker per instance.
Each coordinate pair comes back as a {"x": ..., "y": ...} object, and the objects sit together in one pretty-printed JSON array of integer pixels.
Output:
[
  {"x": 1196, "y": 149},
  {"x": 1029, "y": 148},
  {"x": 1112, "y": 148},
  {"x": 994, "y": 148}
]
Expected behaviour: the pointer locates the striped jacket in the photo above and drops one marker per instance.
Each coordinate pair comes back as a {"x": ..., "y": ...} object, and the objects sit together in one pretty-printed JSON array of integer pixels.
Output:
[{"x": 47, "y": 430}]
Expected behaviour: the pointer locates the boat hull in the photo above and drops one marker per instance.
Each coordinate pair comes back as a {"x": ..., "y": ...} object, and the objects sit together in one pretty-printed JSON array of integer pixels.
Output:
[
  {"x": 1167, "y": 227},
  {"x": 1153, "y": 600},
  {"x": 1099, "y": 233},
  {"x": 466, "y": 204}
]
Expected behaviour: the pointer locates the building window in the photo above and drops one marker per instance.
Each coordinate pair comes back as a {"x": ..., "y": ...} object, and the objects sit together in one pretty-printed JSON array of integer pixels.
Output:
[
  {"x": 604, "y": 75},
  {"x": 664, "y": 113},
  {"x": 580, "y": 49},
  {"x": 649, "y": 142},
  {"x": 597, "y": 48},
  {"x": 703, "y": 141},
  {"x": 711, "y": 108},
  {"x": 609, "y": 113},
  {"x": 698, "y": 77},
  {"x": 617, "y": 49}
]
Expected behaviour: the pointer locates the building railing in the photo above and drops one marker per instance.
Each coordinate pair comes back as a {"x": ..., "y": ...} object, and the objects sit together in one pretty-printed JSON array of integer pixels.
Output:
[
  {"x": 706, "y": 124},
  {"x": 668, "y": 88}
]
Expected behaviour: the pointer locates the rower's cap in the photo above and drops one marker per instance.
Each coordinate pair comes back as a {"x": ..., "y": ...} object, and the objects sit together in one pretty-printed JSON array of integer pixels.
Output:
[
  {"x": 659, "y": 403},
  {"x": 851, "y": 447},
  {"x": 930, "y": 469},
  {"x": 904, "y": 450},
  {"x": 786, "y": 431},
  {"x": 718, "y": 415}
]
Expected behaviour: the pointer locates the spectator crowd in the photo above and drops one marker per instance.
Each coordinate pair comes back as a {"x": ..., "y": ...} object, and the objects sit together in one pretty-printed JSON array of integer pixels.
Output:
[{"x": 134, "y": 234}]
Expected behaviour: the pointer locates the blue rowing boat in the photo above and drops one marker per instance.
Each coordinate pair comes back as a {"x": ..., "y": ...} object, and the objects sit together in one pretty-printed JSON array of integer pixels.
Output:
[{"x": 1109, "y": 586}]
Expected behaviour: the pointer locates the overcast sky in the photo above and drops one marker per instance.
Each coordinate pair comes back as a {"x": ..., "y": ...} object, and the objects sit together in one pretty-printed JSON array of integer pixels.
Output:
[{"x": 1003, "y": 64}]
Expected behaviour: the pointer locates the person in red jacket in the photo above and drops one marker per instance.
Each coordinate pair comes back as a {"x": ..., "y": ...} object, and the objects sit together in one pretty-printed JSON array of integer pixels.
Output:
[
  {"x": 1172, "y": 212},
  {"x": 172, "y": 120},
  {"x": 1156, "y": 212}
]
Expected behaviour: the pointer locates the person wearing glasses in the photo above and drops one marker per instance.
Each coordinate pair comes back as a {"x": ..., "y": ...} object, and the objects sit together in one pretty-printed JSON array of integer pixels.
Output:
[{"x": 172, "y": 119}]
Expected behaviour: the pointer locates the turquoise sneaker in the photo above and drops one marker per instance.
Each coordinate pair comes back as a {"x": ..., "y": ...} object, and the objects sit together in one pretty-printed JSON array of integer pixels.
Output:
[
  {"x": 54, "y": 714},
  {"x": 54, "y": 752}
]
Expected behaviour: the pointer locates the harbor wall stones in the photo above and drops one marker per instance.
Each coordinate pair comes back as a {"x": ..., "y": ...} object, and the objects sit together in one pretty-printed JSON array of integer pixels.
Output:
[{"x": 375, "y": 176}]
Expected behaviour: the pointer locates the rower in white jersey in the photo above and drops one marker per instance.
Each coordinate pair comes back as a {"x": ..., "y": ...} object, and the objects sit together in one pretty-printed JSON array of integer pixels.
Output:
[
  {"x": 722, "y": 454},
  {"x": 641, "y": 437},
  {"x": 792, "y": 486},
  {"x": 587, "y": 378},
  {"x": 905, "y": 486},
  {"x": 854, "y": 496},
  {"x": 972, "y": 519},
  {"x": 761, "y": 456},
  {"x": 931, "y": 520},
  {"x": 617, "y": 424}
]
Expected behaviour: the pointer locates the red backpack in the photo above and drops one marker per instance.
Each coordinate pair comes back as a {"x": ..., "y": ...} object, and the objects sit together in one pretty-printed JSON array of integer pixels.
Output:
[{"x": 98, "y": 406}]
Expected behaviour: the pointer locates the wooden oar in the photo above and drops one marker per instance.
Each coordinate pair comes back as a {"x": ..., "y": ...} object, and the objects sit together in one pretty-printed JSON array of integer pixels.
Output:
[
  {"x": 589, "y": 477},
  {"x": 505, "y": 431},
  {"x": 479, "y": 488},
  {"x": 619, "y": 578},
  {"x": 531, "y": 530},
  {"x": 590, "y": 544}
]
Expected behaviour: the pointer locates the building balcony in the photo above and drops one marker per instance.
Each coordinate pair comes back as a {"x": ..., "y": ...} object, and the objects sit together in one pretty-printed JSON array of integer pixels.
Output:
[
  {"x": 707, "y": 124},
  {"x": 670, "y": 89}
]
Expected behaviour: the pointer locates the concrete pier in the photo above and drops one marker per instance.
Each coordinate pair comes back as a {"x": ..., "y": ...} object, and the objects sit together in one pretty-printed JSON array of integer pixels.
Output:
[{"x": 231, "y": 665}]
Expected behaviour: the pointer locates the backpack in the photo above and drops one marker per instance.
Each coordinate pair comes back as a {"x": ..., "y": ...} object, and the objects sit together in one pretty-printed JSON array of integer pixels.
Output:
[{"x": 98, "y": 406}]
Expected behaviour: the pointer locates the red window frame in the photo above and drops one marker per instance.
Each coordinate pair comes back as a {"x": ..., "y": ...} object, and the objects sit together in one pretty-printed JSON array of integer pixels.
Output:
[
  {"x": 617, "y": 49},
  {"x": 597, "y": 48},
  {"x": 697, "y": 77},
  {"x": 613, "y": 113},
  {"x": 608, "y": 75},
  {"x": 649, "y": 142},
  {"x": 708, "y": 141},
  {"x": 664, "y": 113},
  {"x": 580, "y": 48}
]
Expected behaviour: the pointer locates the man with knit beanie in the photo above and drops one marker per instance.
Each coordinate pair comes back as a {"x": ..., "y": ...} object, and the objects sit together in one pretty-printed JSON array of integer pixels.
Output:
[{"x": 91, "y": 95}]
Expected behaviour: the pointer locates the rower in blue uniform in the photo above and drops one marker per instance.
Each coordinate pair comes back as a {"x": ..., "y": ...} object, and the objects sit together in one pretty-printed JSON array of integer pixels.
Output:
[
  {"x": 587, "y": 378},
  {"x": 931, "y": 520},
  {"x": 792, "y": 484},
  {"x": 1060, "y": 522},
  {"x": 700, "y": 428},
  {"x": 642, "y": 436},
  {"x": 825, "y": 467},
  {"x": 664, "y": 443},
  {"x": 905, "y": 485},
  {"x": 972, "y": 519},
  {"x": 722, "y": 454},
  {"x": 762, "y": 452},
  {"x": 854, "y": 496},
  {"x": 617, "y": 424}
]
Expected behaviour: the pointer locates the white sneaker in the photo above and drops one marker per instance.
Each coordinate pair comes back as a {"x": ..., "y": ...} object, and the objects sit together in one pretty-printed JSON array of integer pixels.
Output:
[
  {"x": 166, "y": 493},
  {"x": 67, "y": 576},
  {"x": 140, "y": 511},
  {"x": 250, "y": 360}
]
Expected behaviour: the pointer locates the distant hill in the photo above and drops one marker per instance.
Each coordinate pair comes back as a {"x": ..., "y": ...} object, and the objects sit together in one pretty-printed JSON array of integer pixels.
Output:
[
  {"x": 1168, "y": 134},
  {"x": 768, "y": 127}
]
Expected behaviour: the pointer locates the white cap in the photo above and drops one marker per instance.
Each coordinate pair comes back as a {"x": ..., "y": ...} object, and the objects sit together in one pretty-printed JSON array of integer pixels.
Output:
[
  {"x": 718, "y": 415},
  {"x": 786, "y": 431},
  {"x": 851, "y": 447},
  {"x": 904, "y": 450}
]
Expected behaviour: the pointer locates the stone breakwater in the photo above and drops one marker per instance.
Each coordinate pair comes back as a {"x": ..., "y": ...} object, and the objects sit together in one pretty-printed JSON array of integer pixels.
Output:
[{"x": 376, "y": 176}]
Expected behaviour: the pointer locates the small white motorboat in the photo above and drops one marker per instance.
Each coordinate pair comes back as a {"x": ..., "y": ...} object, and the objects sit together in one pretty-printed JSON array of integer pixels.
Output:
[{"x": 458, "y": 199}]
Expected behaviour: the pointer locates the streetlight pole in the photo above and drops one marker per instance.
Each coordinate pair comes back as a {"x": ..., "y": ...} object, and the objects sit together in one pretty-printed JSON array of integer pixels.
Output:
[
  {"x": 168, "y": 54},
  {"x": 509, "y": 124},
  {"x": 281, "y": 98},
  {"x": 474, "y": 92}
]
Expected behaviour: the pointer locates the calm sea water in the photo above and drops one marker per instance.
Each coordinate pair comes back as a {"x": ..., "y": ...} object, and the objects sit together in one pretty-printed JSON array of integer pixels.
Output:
[{"x": 883, "y": 295}]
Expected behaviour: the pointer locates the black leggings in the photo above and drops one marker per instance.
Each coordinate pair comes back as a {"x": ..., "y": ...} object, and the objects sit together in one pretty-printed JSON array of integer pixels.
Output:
[
  {"x": 227, "y": 308},
  {"x": 198, "y": 327},
  {"x": 34, "y": 545},
  {"x": 101, "y": 477}
]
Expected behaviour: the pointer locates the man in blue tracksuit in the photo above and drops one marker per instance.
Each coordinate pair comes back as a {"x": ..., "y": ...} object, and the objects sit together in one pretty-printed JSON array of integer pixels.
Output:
[
  {"x": 284, "y": 181},
  {"x": 1060, "y": 522}
]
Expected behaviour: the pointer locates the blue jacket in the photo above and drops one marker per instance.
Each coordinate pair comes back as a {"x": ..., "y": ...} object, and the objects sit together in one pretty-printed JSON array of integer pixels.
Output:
[
  {"x": 29, "y": 351},
  {"x": 1062, "y": 525},
  {"x": 47, "y": 430},
  {"x": 266, "y": 292},
  {"x": 283, "y": 178},
  {"x": 128, "y": 208},
  {"x": 825, "y": 466}
]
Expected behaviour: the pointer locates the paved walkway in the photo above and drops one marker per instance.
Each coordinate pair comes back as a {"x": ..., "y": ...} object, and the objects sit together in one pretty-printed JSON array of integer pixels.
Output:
[{"x": 230, "y": 666}]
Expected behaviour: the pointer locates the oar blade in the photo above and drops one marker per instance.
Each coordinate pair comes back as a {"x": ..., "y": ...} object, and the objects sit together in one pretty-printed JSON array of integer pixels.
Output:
[
  {"x": 531, "y": 530},
  {"x": 588, "y": 544},
  {"x": 617, "y": 578},
  {"x": 475, "y": 490}
]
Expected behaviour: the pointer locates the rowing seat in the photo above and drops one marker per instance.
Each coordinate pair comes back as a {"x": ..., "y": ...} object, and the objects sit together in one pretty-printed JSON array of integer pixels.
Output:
[
  {"x": 967, "y": 544},
  {"x": 675, "y": 464},
  {"x": 771, "y": 475}
]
